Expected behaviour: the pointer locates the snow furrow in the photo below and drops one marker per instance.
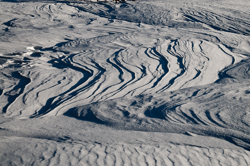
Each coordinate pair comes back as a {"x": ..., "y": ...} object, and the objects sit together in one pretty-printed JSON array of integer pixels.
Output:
[{"x": 219, "y": 21}]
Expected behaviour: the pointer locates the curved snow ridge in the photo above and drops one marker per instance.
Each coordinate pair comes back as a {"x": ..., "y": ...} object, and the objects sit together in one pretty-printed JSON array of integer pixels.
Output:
[
  {"x": 236, "y": 73},
  {"x": 105, "y": 71},
  {"x": 78, "y": 45},
  {"x": 52, "y": 11},
  {"x": 139, "y": 12},
  {"x": 173, "y": 65},
  {"x": 218, "y": 21},
  {"x": 11, "y": 95},
  {"x": 219, "y": 111},
  {"x": 219, "y": 105},
  {"x": 37, "y": 152}
]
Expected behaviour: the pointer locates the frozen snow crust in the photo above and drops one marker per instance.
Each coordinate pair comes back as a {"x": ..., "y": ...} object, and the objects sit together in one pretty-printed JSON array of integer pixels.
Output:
[{"x": 131, "y": 83}]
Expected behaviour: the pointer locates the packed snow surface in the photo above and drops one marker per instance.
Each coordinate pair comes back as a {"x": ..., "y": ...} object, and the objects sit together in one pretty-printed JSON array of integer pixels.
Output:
[{"x": 147, "y": 82}]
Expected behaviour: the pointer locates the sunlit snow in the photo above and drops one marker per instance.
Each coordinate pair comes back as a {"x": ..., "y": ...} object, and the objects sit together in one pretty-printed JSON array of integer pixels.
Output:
[{"x": 146, "y": 82}]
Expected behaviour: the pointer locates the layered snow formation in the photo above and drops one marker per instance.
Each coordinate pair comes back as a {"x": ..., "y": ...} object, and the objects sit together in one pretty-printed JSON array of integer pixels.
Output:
[{"x": 149, "y": 82}]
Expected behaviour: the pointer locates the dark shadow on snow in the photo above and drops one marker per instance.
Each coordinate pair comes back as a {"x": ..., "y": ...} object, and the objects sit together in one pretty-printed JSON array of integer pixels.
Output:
[{"x": 17, "y": 90}]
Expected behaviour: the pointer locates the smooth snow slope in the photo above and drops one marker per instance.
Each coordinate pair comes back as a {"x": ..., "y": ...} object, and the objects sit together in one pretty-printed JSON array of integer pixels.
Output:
[{"x": 134, "y": 83}]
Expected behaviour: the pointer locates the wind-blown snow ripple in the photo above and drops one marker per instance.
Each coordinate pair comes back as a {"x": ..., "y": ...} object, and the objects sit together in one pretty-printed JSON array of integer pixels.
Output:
[
  {"x": 53, "y": 153},
  {"x": 215, "y": 20},
  {"x": 140, "y": 66}
]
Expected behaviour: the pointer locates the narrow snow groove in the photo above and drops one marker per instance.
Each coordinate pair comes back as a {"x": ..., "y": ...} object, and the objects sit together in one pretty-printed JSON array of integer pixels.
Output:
[
  {"x": 128, "y": 74},
  {"x": 195, "y": 116},
  {"x": 219, "y": 22},
  {"x": 86, "y": 75},
  {"x": 112, "y": 86},
  {"x": 125, "y": 75},
  {"x": 211, "y": 119},
  {"x": 224, "y": 50},
  {"x": 88, "y": 87},
  {"x": 171, "y": 50},
  {"x": 52, "y": 102},
  {"x": 116, "y": 65},
  {"x": 18, "y": 90},
  {"x": 188, "y": 118},
  {"x": 163, "y": 63},
  {"x": 139, "y": 74},
  {"x": 174, "y": 64}
]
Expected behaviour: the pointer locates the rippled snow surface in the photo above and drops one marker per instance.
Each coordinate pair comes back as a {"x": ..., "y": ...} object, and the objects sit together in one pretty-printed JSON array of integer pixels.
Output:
[{"x": 147, "y": 82}]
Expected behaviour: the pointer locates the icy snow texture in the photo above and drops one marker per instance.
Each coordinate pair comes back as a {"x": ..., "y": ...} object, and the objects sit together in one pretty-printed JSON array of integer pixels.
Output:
[{"x": 175, "y": 67}]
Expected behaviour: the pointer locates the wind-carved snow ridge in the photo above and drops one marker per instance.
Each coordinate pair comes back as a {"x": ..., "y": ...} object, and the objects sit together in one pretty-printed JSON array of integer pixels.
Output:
[
  {"x": 109, "y": 73},
  {"x": 142, "y": 82},
  {"x": 101, "y": 70},
  {"x": 138, "y": 12},
  {"x": 214, "y": 20}
]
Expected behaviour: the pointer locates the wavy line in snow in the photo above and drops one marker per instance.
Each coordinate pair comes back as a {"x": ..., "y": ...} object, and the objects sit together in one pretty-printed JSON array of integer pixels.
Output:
[{"x": 106, "y": 72}]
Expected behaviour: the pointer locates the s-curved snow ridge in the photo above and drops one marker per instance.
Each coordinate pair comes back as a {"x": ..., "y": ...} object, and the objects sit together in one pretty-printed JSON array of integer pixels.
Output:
[{"x": 108, "y": 68}]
